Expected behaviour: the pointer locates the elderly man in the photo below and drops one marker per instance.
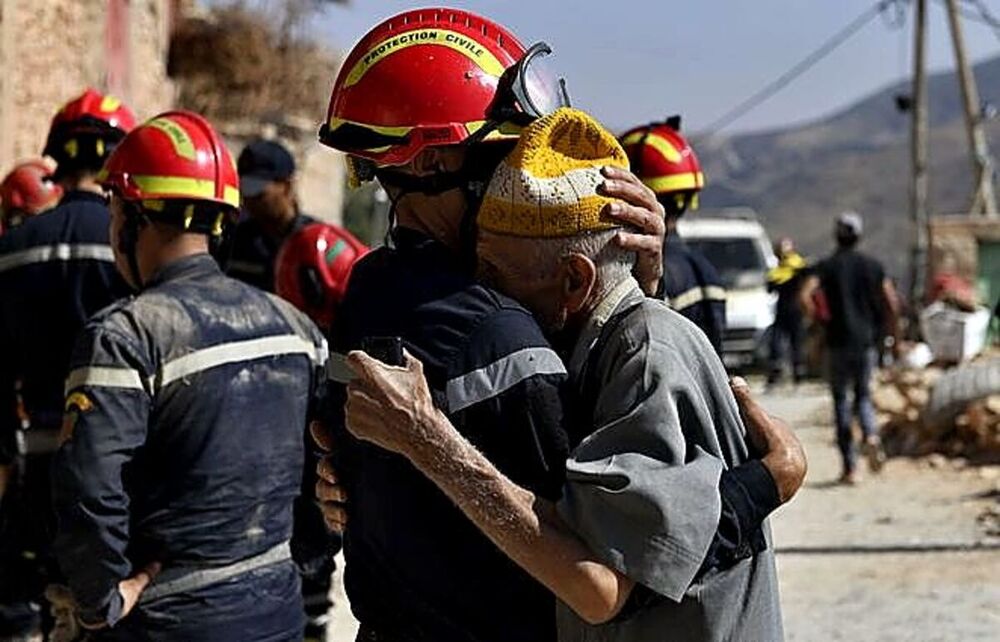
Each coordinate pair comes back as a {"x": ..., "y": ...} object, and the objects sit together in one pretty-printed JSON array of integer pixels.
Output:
[{"x": 654, "y": 427}]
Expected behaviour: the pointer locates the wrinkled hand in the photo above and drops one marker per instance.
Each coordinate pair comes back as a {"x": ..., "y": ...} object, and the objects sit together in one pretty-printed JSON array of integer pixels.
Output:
[
  {"x": 781, "y": 452},
  {"x": 388, "y": 405},
  {"x": 330, "y": 494},
  {"x": 131, "y": 588},
  {"x": 640, "y": 210}
]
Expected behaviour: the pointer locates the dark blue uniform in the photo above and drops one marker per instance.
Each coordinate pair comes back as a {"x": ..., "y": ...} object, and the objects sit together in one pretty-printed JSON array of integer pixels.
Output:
[
  {"x": 692, "y": 287},
  {"x": 56, "y": 270},
  {"x": 417, "y": 569},
  {"x": 252, "y": 260},
  {"x": 186, "y": 411},
  {"x": 252, "y": 254}
]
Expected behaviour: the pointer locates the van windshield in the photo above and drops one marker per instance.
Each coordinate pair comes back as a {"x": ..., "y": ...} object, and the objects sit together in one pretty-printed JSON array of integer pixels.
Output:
[{"x": 739, "y": 261}]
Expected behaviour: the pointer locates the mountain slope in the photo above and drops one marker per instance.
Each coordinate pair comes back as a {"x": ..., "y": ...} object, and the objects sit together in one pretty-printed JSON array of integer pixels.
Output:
[{"x": 798, "y": 179}]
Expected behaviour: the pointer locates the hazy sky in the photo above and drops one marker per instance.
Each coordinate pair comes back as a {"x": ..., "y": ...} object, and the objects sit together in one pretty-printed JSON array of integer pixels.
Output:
[{"x": 628, "y": 61}]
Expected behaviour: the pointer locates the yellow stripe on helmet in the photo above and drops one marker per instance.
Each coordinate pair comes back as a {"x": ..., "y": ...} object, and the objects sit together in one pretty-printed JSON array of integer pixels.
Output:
[
  {"x": 675, "y": 183},
  {"x": 465, "y": 45},
  {"x": 659, "y": 143},
  {"x": 185, "y": 186},
  {"x": 378, "y": 129},
  {"x": 179, "y": 138},
  {"x": 109, "y": 104}
]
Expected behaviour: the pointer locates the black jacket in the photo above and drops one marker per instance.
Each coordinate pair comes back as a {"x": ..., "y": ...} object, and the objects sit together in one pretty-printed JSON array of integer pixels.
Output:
[
  {"x": 417, "y": 569},
  {"x": 56, "y": 270}
]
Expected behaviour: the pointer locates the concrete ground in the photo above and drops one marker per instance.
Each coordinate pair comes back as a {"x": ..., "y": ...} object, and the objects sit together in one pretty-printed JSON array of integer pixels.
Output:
[{"x": 902, "y": 556}]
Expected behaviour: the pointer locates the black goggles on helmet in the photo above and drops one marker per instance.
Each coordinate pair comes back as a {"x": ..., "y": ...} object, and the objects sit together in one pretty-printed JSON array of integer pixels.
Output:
[{"x": 528, "y": 90}]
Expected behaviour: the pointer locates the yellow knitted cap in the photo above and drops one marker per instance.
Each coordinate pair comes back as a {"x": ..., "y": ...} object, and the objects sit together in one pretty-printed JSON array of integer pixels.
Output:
[{"x": 547, "y": 187}]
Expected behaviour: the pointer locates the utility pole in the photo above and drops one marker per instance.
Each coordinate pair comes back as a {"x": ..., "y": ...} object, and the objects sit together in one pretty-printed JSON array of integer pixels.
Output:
[
  {"x": 918, "y": 155},
  {"x": 983, "y": 198}
]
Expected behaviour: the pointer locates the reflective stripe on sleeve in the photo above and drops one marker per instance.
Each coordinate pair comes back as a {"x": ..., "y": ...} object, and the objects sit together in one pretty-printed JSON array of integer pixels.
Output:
[
  {"x": 57, "y": 252},
  {"x": 501, "y": 375},
  {"x": 104, "y": 377},
  {"x": 696, "y": 295},
  {"x": 239, "y": 351}
]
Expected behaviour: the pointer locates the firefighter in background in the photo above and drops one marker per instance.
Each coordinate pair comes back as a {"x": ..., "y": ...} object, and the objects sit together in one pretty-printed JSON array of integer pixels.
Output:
[
  {"x": 667, "y": 164},
  {"x": 270, "y": 212},
  {"x": 55, "y": 272},
  {"x": 182, "y": 446},
  {"x": 788, "y": 330},
  {"x": 311, "y": 272},
  {"x": 313, "y": 267},
  {"x": 26, "y": 191}
]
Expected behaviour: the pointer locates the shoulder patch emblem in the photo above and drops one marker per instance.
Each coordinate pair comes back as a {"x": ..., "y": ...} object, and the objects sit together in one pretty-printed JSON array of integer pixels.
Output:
[{"x": 76, "y": 404}]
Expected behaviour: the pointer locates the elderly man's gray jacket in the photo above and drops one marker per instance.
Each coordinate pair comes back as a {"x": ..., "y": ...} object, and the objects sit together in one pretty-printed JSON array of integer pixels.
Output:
[{"x": 642, "y": 488}]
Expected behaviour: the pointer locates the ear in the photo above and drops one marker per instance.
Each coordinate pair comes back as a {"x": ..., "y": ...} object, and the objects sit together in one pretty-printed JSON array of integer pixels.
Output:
[
  {"x": 579, "y": 279},
  {"x": 428, "y": 161}
]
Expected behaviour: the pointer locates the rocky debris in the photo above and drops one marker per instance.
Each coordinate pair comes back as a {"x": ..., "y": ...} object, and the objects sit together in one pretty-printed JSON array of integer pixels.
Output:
[{"x": 952, "y": 413}]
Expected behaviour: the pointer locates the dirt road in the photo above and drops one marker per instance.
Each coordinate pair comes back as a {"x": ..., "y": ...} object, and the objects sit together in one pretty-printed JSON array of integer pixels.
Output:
[{"x": 886, "y": 560}]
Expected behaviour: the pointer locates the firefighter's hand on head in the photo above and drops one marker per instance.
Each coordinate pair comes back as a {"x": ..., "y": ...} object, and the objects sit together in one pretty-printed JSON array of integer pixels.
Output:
[
  {"x": 329, "y": 492},
  {"x": 639, "y": 209}
]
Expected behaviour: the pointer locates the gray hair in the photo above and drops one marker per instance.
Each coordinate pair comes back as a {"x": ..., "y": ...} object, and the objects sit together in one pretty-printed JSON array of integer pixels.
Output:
[{"x": 614, "y": 264}]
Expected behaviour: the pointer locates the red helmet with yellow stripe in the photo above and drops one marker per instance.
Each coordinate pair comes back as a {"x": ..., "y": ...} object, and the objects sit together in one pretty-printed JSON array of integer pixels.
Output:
[
  {"x": 86, "y": 129},
  {"x": 176, "y": 156},
  {"x": 423, "y": 78},
  {"x": 664, "y": 161}
]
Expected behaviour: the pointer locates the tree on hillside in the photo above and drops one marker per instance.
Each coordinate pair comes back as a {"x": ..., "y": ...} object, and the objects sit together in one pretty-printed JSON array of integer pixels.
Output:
[{"x": 247, "y": 60}]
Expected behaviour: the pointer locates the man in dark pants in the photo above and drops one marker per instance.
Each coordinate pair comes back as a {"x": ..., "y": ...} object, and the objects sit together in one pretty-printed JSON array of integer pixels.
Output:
[
  {"x": 182, "y": 444},
  {"x": 56, "y": 270},
  {"x": 271, "y": 213},
  {"x": 862, "y": 306},
  {"x": 787, "y": 331},
  {"x": 665, "y": 162}
]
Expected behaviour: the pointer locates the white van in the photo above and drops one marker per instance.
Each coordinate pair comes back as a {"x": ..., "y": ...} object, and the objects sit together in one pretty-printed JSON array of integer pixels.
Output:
[{"x": 735, "y": 242}]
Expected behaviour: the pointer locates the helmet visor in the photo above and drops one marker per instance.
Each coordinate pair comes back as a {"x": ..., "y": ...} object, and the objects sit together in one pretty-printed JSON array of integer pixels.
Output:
[{"x": 538, "y": 88}]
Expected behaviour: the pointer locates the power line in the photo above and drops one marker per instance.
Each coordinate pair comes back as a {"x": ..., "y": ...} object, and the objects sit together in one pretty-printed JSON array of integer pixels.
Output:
[
  {"x": 983, "y": 15},
  {"x": 800, "y": 67}
]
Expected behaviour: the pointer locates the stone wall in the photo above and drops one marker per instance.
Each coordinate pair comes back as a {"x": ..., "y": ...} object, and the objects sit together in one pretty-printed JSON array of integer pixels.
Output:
[
  {"x": 50, "y": 50},
  {"x": 955, "y": 242}
]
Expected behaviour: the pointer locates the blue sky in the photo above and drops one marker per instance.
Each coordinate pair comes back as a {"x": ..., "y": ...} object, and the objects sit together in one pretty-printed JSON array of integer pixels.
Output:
[{"x": 628, "y": 61}]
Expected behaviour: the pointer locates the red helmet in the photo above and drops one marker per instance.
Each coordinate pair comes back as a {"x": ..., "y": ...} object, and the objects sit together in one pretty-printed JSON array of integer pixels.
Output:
[
  {"x": 91, "y": 115},
  {"x": 423, "y": 78},
  {"x": 175, "y": 156},
  {"x": 663, "y": 159},
  {"x": 312, "y": 269},
  {"x": 27, "y": 190}
]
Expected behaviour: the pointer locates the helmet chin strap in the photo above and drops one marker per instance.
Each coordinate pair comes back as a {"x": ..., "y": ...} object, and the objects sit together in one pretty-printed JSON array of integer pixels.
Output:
[
  {"x": 472, "y": 178},
  {"x": 128, "y": 240}
]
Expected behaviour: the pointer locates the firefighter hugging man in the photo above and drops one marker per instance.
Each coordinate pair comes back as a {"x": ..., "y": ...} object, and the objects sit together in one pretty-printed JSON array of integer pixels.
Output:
[{"x": 182, "y": 449}]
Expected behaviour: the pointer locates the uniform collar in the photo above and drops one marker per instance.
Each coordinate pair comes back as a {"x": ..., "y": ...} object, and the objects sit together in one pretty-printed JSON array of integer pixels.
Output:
[
  {"x": 185, "y": 268},
  {"x": 77, "y": 195},
  {"x": 620, "y": 296}
]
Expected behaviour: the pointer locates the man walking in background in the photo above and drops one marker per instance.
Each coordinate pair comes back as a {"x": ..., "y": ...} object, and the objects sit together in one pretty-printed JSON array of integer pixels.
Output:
[
  {"x": 862, "y": 305},
  {"x": 786, "y": 280}
]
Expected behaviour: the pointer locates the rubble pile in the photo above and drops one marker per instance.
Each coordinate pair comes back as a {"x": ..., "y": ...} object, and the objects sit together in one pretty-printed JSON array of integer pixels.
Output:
[{"x": 913, "y": 425}]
